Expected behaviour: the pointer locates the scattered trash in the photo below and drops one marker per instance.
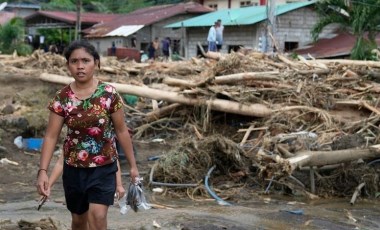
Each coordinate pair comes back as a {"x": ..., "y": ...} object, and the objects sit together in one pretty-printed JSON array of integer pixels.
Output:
[
  {"x": 295, "y": 212},
  {"x": 28, "y": 143},
  {"x": 158, "y": 140},
  {"x": 33, "y": 144},
  {"x": 6, "y": 161},
  {"x": 18, "y": 142},
  {"x": 156, "y": 225},
  {"x": 153, "y": 158},
  {"x": 157, "y": 190}
]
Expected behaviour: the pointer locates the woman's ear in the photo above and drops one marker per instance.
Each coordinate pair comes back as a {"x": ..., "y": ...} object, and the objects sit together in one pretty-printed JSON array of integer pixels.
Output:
[{"x": 97, "y": 63}]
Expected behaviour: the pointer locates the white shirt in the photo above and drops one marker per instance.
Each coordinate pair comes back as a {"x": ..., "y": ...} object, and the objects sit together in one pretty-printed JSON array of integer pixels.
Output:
[
  {"x": 211, "y": 34},
  {"x": 219, "y": 34}
]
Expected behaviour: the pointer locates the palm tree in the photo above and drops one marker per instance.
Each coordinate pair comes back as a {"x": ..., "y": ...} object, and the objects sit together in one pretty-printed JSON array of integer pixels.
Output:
[{"x": 360, "y": 17}]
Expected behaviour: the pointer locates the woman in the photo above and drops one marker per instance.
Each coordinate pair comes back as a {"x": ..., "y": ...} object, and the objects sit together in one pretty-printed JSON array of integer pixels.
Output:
[{"x": 93, "y": 114}]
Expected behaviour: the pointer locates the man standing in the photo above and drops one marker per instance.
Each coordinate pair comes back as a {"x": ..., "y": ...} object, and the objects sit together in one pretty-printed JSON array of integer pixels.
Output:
[
  {"x": 219, "y": 35},
  {"x": 211, "y": 38}
]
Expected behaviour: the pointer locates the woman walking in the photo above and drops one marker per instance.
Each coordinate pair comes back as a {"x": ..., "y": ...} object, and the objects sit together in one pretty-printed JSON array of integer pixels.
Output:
[{"x": 93, "y": 114}]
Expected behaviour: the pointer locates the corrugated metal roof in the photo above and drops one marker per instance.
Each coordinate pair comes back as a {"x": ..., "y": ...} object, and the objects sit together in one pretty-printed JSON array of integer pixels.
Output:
[
  {"x": 125, "y": 31},
  {"x": 6, "y": 16},
  {"x": 71, "y": 17},
  {"x": 240, "y": 16},
  {"x": 340, "y": 45},
  {"x": 146, "y": 16}
]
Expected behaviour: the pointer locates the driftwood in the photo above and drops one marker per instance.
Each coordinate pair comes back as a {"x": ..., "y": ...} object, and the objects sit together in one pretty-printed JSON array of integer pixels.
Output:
[
  {"x": 257, "y": 110},
  {"x": 227, "y": 79},
  {"x": 347, "y": 62},
  {"x": 285, "y": 167},
  {"x": 156, "y": 114},
  {"x": 356, "y": 193}
]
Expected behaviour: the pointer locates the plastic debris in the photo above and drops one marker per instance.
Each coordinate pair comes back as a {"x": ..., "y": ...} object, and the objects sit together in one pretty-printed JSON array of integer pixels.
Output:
[
  {"x": 156, "y": 225},
  {"x": 296, "y": 212},
  {"x": 135, "y": 198}
]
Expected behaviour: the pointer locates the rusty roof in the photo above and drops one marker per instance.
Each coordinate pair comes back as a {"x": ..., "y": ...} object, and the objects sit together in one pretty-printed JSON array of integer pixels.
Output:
[
  {"x": 71, "y": 17},
  {"x": 340, "y": 45},
  {"x": 146, "y": 16},
  {"x": 6, "y": 16}
]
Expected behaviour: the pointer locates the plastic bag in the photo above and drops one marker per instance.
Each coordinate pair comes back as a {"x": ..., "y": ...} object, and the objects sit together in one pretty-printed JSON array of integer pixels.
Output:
[{"x": 135, "y": 198}]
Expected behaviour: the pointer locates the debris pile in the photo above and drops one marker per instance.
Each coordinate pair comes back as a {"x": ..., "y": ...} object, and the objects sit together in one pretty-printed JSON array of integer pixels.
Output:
[{"x": 303, "y": 124}]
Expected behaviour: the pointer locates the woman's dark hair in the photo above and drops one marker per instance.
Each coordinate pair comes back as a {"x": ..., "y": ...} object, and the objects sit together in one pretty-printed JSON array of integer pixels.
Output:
[{"x": 81, "y": 44}]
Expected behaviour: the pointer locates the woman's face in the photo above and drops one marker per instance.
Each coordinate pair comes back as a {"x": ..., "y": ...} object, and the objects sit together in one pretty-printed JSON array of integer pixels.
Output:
[{"x": 82, "y": 65}]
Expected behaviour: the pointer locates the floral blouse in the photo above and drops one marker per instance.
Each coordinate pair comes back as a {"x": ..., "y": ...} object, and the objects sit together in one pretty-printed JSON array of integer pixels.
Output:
[{"x": 90, "y": 140}]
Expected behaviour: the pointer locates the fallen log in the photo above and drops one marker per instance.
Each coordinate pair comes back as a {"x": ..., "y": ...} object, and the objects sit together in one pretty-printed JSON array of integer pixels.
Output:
[
  {"x": 285, "y": 167},
  {"x": 375, "y": 64},
  {"x": 232, "y": 78},
  {"x": 257, "y": 110}
]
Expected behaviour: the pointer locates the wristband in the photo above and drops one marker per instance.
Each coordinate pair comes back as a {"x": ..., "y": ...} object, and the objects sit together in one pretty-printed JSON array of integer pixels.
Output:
[{"x": 39, "y": 170}]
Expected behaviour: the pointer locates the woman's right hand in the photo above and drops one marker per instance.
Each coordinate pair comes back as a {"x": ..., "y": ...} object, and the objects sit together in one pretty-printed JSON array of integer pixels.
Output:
[{"x": 43, "y": 187}]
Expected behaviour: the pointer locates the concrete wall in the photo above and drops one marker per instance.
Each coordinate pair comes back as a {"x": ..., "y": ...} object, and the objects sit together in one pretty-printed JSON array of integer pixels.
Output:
[{"x": 296, "y": 26}]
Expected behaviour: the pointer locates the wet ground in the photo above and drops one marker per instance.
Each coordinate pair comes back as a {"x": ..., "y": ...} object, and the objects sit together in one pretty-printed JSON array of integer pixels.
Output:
[{"x": 19, "y": 202}]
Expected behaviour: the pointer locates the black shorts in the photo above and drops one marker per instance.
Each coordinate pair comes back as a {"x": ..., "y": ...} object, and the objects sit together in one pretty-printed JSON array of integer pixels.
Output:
[{"x": 89, "y": 185}]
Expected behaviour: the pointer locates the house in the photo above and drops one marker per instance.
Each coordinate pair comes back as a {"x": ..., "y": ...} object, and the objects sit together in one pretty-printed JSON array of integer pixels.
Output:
[
  {"x": 247, "y": 27},
  {"x": 232, "y": 4},
  {"x": 142, "y": 26},
  {"x": 22, "y": 9},
  {"x": 65, "y": 21}
]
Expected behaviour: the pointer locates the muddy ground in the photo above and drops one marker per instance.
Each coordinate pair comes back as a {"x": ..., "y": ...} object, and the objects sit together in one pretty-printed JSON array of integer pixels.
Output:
[{"x": 249, "y": 210}]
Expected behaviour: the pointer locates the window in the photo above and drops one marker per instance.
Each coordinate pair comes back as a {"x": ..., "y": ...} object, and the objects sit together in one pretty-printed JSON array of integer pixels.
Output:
[
  {"x": 289, "y": 46},
  {"x": 247, "y": 3},
  {"x": 213, "y": 6}
]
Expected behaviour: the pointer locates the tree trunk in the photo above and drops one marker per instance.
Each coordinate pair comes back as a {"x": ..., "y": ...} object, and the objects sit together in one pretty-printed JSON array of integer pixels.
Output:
[{"x": 256, "y": 110}]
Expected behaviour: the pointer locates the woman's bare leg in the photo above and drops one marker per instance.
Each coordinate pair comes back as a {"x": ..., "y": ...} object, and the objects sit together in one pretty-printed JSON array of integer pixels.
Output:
[
  {"x": 79, "y": 222},
  {"x": 97, "y": 216}
]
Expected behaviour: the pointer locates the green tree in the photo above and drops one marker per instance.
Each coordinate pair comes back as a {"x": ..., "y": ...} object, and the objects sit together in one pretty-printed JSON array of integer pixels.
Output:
[
  {"x": 360, "y": 17},
  {"x": 64, "y": 5},
  {"x": 12, "y": 37}
]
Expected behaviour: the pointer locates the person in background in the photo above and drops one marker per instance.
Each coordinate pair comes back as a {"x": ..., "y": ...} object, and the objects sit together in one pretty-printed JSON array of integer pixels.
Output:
[
  {"x": 211, "y": 38},
  {"x": 219, "y": 35},
  {"x": 166, "y": 47},
  {"x": 93, "y": 114},
  {"x": 134, "y": 41},
  {"x": 151, "y": 51},
  {"x": 156, "y": 46},
  {"x": 113, "y": 49}
]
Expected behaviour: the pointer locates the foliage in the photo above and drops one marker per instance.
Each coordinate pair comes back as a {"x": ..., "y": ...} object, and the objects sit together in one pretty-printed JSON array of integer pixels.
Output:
[
  {"x": 12, "y": 37},
  {"x": 54, "y": 36},
  {"x": 360, "y": 17},
  {"x": 65, "y": 5}
]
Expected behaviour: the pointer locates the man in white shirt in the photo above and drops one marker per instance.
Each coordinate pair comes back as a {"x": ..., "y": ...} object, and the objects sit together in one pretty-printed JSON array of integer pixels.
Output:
[
  {"x": 219, "y": 35},
  {"x": 211, "y": 38}
]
